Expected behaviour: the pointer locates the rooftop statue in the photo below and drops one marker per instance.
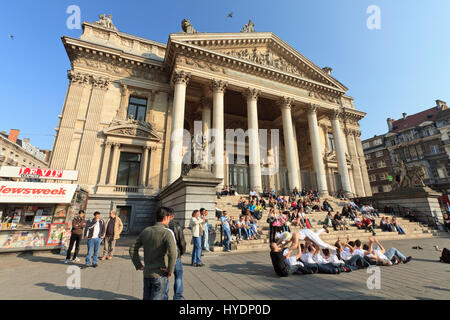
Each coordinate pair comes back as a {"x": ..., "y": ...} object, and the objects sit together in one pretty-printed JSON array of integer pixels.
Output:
[
  {"x": 106, "y": 21},
  {"x": 187, "y": 26},
  {"x": 249, "y": 27}
]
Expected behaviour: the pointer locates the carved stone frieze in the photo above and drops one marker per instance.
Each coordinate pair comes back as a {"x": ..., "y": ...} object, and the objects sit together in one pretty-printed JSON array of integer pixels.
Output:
[
  {"x": 267, "y": 59},
  {"x": 116, "y": 68},
  {"x": 323, "y": 97},
  {"x": 202, "y": 64}
]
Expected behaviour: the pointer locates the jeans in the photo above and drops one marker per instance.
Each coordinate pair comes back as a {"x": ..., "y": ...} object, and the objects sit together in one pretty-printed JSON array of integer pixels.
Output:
[
  {"x": 226, "y": 240},
  {"x": 247, "y": 235},
  {"x": 197, "y": 250},
  {"x": 93, "y": 245},
  {"x": 206, "y": 237},
  {"x": 328, "y": 268},
  {"x": 357, "y": 262},
  {"x": 307, "y": 268},
  {"x": 155, "y": 288},
  {"x": 400, "y": 230},
  {"x": 178, "y": 285},
  {"x": 394, "y": 252},
  {"x": 74, "y": 239}
]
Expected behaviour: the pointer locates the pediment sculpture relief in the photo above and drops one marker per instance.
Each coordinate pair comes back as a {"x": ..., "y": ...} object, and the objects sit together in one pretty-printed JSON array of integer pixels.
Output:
[
  {"x": 132, "y": 128},
  {"x": 266, "y": 59}
]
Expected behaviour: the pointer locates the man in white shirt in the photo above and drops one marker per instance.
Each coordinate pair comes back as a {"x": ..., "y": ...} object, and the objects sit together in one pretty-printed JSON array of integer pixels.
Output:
[{"x": 95, "y": 230}]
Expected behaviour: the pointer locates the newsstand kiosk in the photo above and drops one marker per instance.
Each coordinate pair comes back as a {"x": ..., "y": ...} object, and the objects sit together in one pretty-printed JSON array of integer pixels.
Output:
[{"x": 36, "y": 215}]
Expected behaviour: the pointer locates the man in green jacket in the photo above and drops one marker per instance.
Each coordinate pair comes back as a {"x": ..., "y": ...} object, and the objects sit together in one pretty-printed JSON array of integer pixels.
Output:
[{"x": 160, "y": 255}]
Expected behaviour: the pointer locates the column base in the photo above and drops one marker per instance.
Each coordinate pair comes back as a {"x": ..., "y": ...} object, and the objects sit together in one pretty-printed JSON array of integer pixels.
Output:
[{"x": 324, "y": 193}]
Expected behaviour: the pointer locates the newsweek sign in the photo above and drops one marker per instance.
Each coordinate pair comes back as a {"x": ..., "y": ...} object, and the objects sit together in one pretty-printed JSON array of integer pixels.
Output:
[
  {"x": 35, "y": 192},
  {"x": 38, "y": 173}
]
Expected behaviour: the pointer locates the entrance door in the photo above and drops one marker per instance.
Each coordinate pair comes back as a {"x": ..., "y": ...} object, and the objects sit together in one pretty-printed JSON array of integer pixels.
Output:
[
  {"x": 239, "y": 177},
  {"x": 124, "y": 215},
  {"x": 337, "y": 182}
]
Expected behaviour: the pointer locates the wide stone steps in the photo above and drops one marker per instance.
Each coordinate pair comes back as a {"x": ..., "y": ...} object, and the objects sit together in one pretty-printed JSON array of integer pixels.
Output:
[{"x": 414, "y": 230}]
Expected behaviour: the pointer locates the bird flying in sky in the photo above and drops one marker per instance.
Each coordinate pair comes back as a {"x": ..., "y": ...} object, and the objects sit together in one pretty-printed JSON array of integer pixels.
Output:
[
  {"x": 230, "y": 15},
  {"x": 11, "y": 37}
]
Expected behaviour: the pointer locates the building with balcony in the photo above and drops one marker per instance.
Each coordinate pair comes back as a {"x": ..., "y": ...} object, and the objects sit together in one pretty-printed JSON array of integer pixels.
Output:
[{"x": 420, "y": 139}]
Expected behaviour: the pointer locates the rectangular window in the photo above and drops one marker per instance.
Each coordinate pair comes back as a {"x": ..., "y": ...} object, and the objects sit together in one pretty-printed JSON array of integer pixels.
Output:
[
  {"x": 442, "y": 173},
  {"x": 137, "y": 108},
  {"x": 331, "y": 141},
  {"x": 379, "y": 154},
  {"x": 434, "y": 148},
  {"x": 129, "y": 169},
  {"x": 368, "y": 156},
  {"x": 373, "y": 178},
  {"x": 412, "y": 151}
]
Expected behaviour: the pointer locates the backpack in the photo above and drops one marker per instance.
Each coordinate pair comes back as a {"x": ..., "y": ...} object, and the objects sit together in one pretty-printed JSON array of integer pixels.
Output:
[{"x": 445, "y": 256}]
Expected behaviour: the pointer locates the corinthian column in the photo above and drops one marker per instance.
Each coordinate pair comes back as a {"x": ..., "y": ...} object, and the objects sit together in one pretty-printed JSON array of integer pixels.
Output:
[
  {"x": 253, "y": 139},
  {"x": 289, "y": 143},
  {"x": 340, "y": 153},
  {"x": 181, "y": 80},
  {"x": 218, "y": 87},
  {"x": 144, "y": 163},
  {"x": 316, "y": 151}
]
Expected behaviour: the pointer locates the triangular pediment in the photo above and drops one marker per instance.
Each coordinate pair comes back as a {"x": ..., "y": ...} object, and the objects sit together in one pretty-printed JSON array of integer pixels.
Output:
[
  {"x": 264, "y": 49},
  {"x": 132, "y": 129}
]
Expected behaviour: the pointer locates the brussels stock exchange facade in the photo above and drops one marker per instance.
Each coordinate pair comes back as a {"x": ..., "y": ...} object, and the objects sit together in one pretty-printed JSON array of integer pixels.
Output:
[{"x": 128, "y": 96}]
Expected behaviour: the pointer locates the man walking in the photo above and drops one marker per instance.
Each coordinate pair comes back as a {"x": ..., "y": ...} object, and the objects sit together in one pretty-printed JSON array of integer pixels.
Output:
[
  {"x": 95, "y": 232},
  {"x": 159, "y": 246},
  {"x": 178, "y": 272},
  {"x": 78, "y": 224},
  {"x": 114, "y": 227}
]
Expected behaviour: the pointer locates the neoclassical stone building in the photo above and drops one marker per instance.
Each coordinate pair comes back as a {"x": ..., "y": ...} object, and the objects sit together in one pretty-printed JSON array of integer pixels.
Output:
[{"x": 127, "y": 95}]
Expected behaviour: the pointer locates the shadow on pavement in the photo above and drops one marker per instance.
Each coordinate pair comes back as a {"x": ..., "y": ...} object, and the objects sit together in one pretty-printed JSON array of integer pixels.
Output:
[
  {"x": 84, "y": 293},
  {"x": 249, "y": 268}
]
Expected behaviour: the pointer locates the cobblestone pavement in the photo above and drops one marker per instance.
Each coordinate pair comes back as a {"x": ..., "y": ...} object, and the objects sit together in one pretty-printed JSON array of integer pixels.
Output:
[{"x": 228, "y": 276}]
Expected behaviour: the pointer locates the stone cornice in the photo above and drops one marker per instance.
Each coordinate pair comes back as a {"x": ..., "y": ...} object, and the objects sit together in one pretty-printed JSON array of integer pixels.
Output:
[{"x": 78, "y": 48}]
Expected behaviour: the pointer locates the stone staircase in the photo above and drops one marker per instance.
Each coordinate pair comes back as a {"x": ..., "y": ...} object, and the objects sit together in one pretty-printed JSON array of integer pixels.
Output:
[{"x": 414, "y": 230}]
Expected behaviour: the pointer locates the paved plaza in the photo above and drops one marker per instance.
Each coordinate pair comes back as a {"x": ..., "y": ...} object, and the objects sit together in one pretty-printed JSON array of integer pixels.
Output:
[{"x": 228, "y": 276}]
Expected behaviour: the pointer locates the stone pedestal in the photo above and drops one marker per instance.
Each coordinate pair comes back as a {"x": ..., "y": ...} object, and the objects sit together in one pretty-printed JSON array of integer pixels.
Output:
[
  {"x": 423, "y": 200},
  {"x": 193, "y": 191}
]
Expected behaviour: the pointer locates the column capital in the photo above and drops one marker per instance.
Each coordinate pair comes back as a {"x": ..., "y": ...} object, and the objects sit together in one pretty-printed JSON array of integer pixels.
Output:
[
  {"x": 335, "y": 114},
  {"x": 100, "y": 82},
  {"x": 219, "y": 86},
  {"x": 116, "y": 144},
  {"x": 78, "y": 77},
  {"x": 312, "y": 108},
  {"x": 146, "y": 148},
  {"x": 357, "y": 133},
  {"x": 205, "y": 102},
  {"x": 181, "y": 77},
  {"x": 285, "y": 102},
  {"x": 251, "y": 93},
  {"x": 108, "y": 143}
]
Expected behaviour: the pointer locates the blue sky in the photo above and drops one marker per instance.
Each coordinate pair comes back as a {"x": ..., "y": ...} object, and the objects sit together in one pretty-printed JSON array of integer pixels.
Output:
[{"x": 404, "y": 67}]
